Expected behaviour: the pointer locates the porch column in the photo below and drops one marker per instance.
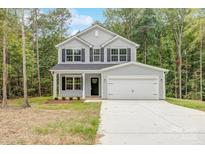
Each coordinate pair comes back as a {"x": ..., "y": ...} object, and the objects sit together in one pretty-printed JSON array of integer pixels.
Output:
[
  {"x": 83, "y": 74},
  {"x": 54, "y": 85}
]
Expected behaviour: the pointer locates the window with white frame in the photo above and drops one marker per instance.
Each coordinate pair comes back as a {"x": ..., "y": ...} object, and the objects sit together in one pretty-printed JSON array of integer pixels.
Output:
[
  {"x": 73, "y": 55},
  {"x": 118, "y": 54},
  {"x": 96, "y": 55},
  {"x": 73, "y": 83},
  {"x": 69, "y": 83},
  {"x": 123, "y": 54},
  {"x": 114, "y": 54}
]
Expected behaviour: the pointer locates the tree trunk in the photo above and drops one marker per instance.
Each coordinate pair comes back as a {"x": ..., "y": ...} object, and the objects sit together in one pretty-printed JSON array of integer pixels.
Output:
[
  {"x": 145, "y": 52},
  {"x": 201, "y": 66},
  {"x": 5, "y": 64},
  {"x": 180, "y": 70},
  {"x": 25, "y": 102},
  {"x": 37, "y": 52}
]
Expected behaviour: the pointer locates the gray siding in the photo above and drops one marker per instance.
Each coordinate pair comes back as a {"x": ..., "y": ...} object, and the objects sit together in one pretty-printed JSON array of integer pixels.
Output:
[
  {"x": 76, "y": 93},
  {"x": 133, "y": 70},
  {"x": 96, "y": 42}
]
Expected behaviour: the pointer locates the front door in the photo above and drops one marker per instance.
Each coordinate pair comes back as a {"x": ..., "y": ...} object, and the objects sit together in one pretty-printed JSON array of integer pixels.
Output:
[{"x": 94, "y": 86}]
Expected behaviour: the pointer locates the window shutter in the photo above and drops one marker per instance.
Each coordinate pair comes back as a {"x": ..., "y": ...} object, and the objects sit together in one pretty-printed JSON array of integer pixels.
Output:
[
  {"x": 63, "y": 55},
  {"x": 108, "y": 54},
  {"x": 63, "y": 83},
  {"x": 102, "y": 54},
  {"x": 128, "y": 54},
  {"x": 83, "y": 55},
  {"x": 91, "y": 54}
]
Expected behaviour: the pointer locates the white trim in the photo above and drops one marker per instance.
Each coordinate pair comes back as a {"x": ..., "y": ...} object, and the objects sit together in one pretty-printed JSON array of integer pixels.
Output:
[
  {"x": 137, "y": 64},
  {"x": 76, "y": 71},
  {"x": 73, "y": 55},
  {"x": 96, "y": 55},
  {"x": 133, "y": 77},
  {"x": 164, "y": 88},
  {"x": 120, "y": 37},
  {"x": 102, "y": 82},
  {"x": 83, "y": 76},
  {"x": 118, "y": 50},
  {"x": 54, "y": 85},
  {"x": 71, "y": 38},
  {"x": 90, "y": 45}
]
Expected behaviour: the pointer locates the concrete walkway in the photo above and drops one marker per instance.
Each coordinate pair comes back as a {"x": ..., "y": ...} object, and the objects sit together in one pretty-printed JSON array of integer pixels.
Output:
[{"x": 150, "y": 122}]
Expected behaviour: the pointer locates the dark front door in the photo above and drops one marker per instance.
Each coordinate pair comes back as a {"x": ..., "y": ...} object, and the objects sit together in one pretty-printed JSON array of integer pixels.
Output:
[{"x": 94, "y": 86}]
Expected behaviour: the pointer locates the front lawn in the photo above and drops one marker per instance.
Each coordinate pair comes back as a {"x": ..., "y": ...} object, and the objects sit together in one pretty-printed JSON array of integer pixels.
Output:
[
  {"x": 71, "y": 122},
  {"x": 193, "y": 104}
]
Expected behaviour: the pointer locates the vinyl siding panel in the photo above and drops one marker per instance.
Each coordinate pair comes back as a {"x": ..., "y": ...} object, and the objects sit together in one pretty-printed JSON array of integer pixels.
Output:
[{"x": 133, "y": 70}]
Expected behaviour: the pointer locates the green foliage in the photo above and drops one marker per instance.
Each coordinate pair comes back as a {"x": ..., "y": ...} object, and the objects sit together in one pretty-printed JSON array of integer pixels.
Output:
[
  {"x": 193, "y": 104},
  {"x": 155, "y": 31}
]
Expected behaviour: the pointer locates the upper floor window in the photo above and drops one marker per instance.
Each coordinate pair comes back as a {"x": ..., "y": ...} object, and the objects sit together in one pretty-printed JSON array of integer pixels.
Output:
[
  {"x": 96, "y": 55},
  {"x": 118, "y": 54},
  {"x": 73, "y": 55}
]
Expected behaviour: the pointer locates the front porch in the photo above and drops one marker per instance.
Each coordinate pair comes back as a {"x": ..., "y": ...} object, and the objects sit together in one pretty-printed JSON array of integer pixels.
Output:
[{"x": 85, "y": 85}]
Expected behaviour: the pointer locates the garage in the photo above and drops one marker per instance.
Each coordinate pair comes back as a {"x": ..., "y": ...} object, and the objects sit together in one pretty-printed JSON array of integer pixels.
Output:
[
  {"x": 133, "y": 87},
  {"x": 134, "y": 81}
]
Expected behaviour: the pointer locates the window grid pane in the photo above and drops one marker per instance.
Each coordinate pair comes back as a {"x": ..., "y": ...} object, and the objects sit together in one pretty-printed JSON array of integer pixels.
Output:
[
  {"x": 69, "y": 54},
  {"x": 123, "y": 54},
  {"x": 77, "y": 55},
  {"x": 96, "y": 55},
  {"x": 114, "y": 54},
  {"x": 77, "y": 83},
  {"x": 69, "y": 83}
]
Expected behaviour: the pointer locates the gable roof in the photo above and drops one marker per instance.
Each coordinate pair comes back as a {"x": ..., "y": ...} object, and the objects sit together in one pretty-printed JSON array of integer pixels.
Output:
[
  {"x": 92, "y": 27},
  {"x": 137, "y": 64},
  {"x": 72, "y": 38},
  {"x": 119, "y": 37}
]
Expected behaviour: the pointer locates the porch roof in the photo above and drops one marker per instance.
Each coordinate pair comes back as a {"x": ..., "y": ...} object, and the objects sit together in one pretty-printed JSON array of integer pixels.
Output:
[{"x": 61, "y": 67}]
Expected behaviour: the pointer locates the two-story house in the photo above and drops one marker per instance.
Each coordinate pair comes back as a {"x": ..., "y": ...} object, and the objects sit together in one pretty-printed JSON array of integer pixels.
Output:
[{"x": 98, "y": 62}]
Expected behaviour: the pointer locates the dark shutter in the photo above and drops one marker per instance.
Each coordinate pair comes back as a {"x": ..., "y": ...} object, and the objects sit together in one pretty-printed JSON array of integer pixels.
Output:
[
  {"x": 63, "y": 55},
  {"x": 128, "y": 54},
  {"x": 63, "y": 83},
  {"x": 83, "y": 55},
  {"x": 91, "y": 54},
  {"x": 108, "y": 54},
  {"x": 102, "y": 54}
]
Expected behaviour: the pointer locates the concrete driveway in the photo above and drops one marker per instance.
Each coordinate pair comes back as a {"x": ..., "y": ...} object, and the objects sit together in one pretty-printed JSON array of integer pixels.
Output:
[{"x": 150, "y": 122}]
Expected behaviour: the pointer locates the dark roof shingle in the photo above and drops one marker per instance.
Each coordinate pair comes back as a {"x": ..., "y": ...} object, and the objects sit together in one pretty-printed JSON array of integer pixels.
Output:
[{"x": 58, "y": 67}]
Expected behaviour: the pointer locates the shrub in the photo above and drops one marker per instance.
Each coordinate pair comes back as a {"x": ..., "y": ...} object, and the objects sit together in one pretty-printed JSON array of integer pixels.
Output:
[
  {"x": 56, "y": 98},
  {"x": 70, "y": 98},
  {"x": 63, "y": 98}
]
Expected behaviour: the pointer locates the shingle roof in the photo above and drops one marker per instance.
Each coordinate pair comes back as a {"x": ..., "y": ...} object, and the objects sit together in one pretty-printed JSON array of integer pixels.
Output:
[{"x": 58, "y": 67}]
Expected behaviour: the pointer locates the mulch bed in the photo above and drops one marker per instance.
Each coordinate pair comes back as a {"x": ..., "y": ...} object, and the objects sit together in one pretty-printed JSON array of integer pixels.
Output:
[{"x": 59, "y": 101}]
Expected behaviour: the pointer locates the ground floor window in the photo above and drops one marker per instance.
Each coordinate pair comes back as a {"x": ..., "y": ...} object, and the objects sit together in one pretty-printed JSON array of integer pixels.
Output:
[{"x": 73, "y": 83}]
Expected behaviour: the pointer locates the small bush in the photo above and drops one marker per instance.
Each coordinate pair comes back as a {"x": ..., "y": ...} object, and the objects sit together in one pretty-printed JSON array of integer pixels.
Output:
[
  {"x": 63, "y": 98},
  {"x": 70, "y": 98},
  {"x": 56, "y": 98},
  {"x": 78, "y": 98}
]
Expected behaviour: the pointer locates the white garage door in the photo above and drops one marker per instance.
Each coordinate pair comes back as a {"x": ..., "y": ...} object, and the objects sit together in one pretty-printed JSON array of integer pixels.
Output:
[{"x": 133, "y": 87}]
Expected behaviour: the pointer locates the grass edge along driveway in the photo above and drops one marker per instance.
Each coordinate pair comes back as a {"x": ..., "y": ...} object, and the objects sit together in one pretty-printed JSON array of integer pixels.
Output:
[{"x": 193, "y": 104}]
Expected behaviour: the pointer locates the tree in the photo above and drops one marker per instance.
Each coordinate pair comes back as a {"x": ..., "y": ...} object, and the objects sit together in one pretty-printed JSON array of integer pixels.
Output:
[
  {"x": 5, "y": 65},
  {"x": 37, "y": 49},
  {"x": 176, "y": 19},
  {"x": 25, "y": 102}
]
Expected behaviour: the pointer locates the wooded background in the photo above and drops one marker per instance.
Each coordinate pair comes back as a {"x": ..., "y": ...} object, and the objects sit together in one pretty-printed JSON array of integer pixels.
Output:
[{"x": 168, "y": 38}]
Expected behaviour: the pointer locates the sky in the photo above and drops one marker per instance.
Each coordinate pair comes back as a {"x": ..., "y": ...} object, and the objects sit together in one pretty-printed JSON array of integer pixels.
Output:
[{"x": 83, "y": 18}]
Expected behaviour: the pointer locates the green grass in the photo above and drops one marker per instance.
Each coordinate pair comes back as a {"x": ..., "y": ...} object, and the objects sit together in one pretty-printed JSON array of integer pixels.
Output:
[{"x": 193, "y": 104}]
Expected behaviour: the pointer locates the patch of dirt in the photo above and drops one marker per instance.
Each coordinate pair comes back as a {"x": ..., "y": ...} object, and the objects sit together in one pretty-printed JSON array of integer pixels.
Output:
[{"x": 17, "y": 125}]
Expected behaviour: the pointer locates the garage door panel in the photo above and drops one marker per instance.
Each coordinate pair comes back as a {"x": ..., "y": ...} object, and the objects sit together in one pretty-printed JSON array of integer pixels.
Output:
[{"x": 133, "y": 88}]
